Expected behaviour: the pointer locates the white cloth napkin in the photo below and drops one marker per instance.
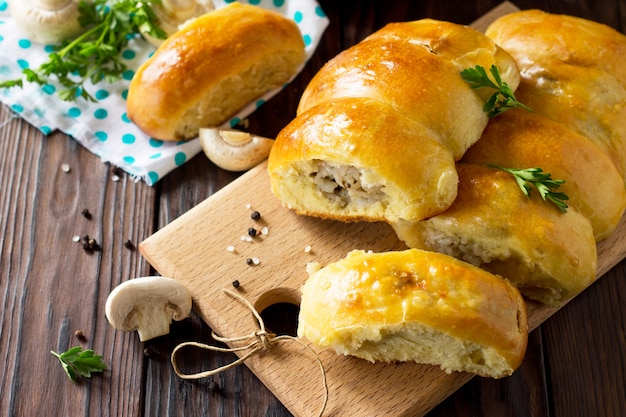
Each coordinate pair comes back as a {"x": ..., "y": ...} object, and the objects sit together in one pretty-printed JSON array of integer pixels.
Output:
[{"x": 103, "y": 127}]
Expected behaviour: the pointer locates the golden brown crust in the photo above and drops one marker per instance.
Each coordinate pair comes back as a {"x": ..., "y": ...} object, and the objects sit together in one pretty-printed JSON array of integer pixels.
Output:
[
  {"x": 519, "y": 139},
  {"x": 367, "y": 297},
  {"x": 568, "y": 39},
  {"x": 549, "y": 255},
  {"x": 415, "y": 67},
  {"x": 403, "y": 171},
  {"x": 573, "y": 72},
  {"x": 211, "y": 51}
]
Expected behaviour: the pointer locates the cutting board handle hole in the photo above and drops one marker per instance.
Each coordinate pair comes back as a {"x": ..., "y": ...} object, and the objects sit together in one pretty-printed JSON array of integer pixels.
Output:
[
  {"x": 281, "y": 318},
  {"x": 279, "y": 308}
]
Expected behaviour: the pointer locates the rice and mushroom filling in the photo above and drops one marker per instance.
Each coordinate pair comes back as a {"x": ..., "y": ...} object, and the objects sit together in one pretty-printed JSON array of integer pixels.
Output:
[{"x": 346, "y": 184}]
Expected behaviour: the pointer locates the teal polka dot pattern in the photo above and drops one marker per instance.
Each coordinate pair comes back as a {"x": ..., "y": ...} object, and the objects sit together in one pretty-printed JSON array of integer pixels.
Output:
[
  {"x": 49, "y": 89},
  {"x": 73, "y": 112},
  {"x": 180, "y": 158},
  {"x": 128, "y": 139},
  {"x": 100, "y": 114},
  {"x": 101, "y": 95},
  {"x": 103, "y": 126}
]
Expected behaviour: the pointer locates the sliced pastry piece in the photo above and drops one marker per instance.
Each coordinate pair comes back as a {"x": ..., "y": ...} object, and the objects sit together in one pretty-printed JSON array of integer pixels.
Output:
[
  {"x": 416, "y": 306},
  {"x": 359, "y": 159}
]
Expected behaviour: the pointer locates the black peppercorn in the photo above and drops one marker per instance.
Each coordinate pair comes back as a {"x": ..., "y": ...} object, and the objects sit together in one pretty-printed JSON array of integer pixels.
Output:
[
  {"x": 252, "y": 232},
  {"x": 86, "y": 214},
  {"x": 255, "y": 215},
  {"x": 236, "y": 283},
  {"x": 129, "y": 245},
  {"x": 249, "y": 261}
]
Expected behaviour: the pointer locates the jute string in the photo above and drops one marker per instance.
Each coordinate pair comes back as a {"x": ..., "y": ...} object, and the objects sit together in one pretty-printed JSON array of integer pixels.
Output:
[{"x": 259, "y": 340}]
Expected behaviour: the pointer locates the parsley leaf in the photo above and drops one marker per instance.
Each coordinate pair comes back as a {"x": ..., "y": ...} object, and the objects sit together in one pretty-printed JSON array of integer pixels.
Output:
[
  {"x": 535, "y": 177},
  {"x": 80, "y": 363},
  {"x": 500, "y": 101},
  {"x": 95, "y": 54}
]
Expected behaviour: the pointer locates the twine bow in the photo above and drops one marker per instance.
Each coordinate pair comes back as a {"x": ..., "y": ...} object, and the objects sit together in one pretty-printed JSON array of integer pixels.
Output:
[{"x": 259, "y": 340}]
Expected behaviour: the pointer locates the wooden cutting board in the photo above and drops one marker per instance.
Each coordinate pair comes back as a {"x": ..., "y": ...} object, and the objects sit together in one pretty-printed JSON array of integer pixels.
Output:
[{"x": 194, "y": 249}]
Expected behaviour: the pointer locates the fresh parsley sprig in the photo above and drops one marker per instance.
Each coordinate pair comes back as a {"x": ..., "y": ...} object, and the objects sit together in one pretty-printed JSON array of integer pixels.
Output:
[
  {"x": 95, "y": 54},
  {"x": 80, "y": 363},
  {"x": 528, "y": 178},
  {"x": 500, "y": 101}
]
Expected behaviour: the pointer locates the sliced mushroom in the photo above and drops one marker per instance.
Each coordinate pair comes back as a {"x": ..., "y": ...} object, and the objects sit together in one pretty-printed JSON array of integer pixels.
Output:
[
  {"x": 148, "y": 305},
  {"x": 172, "y": 14},
  {"x": 46, "y": 21},
  {"x": 233, "y": 150}
]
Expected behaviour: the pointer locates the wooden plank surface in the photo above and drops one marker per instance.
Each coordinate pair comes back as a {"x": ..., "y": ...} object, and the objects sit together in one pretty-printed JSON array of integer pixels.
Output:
[{"x": 192, "y": 249}]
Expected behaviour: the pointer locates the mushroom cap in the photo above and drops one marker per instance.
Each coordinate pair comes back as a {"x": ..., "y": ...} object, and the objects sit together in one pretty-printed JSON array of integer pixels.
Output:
[
  {"x": 172, "y": 14},
  {"x": 46, "y": 21},
  {"x": 148, "y": 305},
  {"x": 233, "y": 150}
]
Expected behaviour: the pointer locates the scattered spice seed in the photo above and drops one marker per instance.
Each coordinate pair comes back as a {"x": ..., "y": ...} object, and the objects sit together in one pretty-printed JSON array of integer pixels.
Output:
[
  {"x": 65, "y": 168},
  {"x": 255, "y": 215},
  {"x": 253, "y": 261},
  {"x": 252, "y": 232},
  {"x": 129, "y": 245},
  {"x": 90, "y": 244},
  {"x": 76, "y": 238},
  {"x": 86, "y": 214},
  {"x": 307, "y": 249},
  {"x": 80, "y": 335},
  {"x": 231, "y": 249},
  {"x": 265, "y": 230},
  {"x": 236, "y": 283}
]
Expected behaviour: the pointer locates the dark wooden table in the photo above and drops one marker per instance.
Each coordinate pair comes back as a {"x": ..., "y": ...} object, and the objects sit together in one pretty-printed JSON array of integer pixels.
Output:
[{"x": 51, "y": 288}]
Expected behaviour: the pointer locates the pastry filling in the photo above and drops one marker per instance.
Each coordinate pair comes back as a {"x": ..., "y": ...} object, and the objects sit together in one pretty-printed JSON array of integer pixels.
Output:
[{"x": 345, "y": 184}]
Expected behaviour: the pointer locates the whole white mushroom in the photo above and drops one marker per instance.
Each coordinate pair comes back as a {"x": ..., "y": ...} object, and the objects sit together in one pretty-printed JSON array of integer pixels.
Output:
[
  {"x": 148, "y": 305},
  {"x": 46, "y": 21}
]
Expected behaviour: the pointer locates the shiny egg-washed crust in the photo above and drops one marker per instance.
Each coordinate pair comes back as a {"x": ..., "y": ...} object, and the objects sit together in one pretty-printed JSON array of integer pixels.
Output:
[
  {"x": 412, "y": 69},
  {"x": 415, "y": 67},
  {"x": 211, "y": 68},
  {"x": 549, "y": 255},
  {"x": 573, "y": 72},
  {"x": 416, "y": 306},
  {"x": 362, "y": 136},
  {"x": 520, "y": 139}
]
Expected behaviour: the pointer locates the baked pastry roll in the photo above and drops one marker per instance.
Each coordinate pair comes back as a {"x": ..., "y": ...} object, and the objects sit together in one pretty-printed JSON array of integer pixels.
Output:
[
  {"x": 416, "y": 306},
  {"x": 359, "y": 159},
  {"x": 519, "y": 139},
  {"x": 549, "y": 255},
  {"x": 358, "y": 148},
  {"x": 573, "y": 72},
  {"x": 203, "y": 74}
]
